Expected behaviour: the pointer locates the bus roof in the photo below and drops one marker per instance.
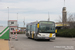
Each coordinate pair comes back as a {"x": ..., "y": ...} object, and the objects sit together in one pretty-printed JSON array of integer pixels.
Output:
[{"x": 38, "y": 22}]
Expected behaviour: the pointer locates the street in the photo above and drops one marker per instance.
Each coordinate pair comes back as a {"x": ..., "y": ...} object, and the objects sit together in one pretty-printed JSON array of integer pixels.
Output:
[{"x": 59, "y": 43}]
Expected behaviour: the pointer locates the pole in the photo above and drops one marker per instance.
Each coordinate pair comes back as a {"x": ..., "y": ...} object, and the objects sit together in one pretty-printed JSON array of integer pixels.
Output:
[
  {"x": 48, "y": 17},
  {"x": 13, "y": 34},
  {"x": 8, "y": 24},
  {"x": 24, "y": 22},
  {"x": 64, "y": 3},
  {"x": 8, "y": 13},
  {"x": 16, "y": 36},
  {"x": 17, "y": 21},
  {"x": 17, "y": 17}
]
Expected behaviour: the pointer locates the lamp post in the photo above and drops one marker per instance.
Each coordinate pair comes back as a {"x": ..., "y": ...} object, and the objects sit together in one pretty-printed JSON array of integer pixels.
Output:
[
  {"x": 24, "y": 25},
  {"x": 48, "y": 17},
  {"x": 17, "y": 21},
  {"x": 8, "y": 24},
  {"x": 17, "y": 16},
  {"x": 8, "y": 13}
]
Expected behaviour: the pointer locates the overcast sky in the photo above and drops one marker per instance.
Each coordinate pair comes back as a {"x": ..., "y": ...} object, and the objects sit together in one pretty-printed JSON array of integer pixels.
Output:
[{"x": 33, "y": 10}]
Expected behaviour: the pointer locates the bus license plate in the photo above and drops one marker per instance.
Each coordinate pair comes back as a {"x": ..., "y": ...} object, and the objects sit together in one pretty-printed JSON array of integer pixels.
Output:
[{"x": 46, "y": 38}]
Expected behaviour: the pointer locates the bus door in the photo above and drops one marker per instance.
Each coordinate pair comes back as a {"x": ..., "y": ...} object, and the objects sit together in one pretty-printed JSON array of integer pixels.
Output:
[{"x": 30, "y": 29}]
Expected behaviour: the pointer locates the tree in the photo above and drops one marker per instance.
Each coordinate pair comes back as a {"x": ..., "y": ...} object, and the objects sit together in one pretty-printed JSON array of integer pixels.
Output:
[{"x": 71, "y": 20}]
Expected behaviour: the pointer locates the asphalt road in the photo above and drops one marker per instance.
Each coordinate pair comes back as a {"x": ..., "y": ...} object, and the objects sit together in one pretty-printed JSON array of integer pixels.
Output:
[{"x": 60, "y": 43}]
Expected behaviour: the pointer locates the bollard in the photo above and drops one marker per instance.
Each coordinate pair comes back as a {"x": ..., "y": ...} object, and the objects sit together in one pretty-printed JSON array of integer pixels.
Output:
[
  {"x": 16, "y": 36},
  {"x": 13, "y": 35}
]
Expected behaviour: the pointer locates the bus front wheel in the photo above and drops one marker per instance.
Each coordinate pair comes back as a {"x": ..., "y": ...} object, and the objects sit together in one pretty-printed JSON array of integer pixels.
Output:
[{"x": 48, "y": 39}]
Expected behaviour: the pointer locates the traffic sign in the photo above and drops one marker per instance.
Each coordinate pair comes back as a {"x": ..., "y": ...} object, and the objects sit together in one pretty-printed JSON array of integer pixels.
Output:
[{"x": 16, "y": 29}]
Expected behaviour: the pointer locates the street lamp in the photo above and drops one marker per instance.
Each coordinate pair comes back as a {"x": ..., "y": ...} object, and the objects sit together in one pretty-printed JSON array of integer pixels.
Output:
[
  {"x": 17, "y": 16},
  {"x": 17, "y": 20},
  {"x": 8, "y": 23},
  {"x": 48, "y": 17},
  {"x": 8, "y": 13}
]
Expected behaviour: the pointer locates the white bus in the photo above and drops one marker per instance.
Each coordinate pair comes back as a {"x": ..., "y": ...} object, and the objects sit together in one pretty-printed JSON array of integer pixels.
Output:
[{"x": 41, "y": 30}]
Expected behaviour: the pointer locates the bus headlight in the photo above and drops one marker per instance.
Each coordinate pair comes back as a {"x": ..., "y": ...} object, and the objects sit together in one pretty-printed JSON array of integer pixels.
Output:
[
  {"x": 39, "y": 35},
  {"x": 54, "y": 35}
]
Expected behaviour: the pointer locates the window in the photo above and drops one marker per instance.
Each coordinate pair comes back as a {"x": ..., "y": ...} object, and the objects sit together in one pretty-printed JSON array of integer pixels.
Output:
[
  {"x": 33, "y": 28},
  {"x": 12, "y": 22},
  {"x": 12, "y": 28},
  {"x": 47, "y": 27},
  {"x": 28, "y": 27}
]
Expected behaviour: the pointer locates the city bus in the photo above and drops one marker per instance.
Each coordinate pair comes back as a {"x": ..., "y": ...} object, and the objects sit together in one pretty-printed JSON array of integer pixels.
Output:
[{"x": 41, "y": 30}]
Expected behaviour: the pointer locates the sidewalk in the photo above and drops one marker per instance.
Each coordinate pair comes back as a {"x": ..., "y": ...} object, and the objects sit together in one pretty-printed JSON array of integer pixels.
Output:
[{"x": 4, "y": 44}]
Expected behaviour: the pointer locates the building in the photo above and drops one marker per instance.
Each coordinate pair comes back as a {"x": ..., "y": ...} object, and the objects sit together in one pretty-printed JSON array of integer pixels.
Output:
[
  {"x": 64, "y": 15},
  {"x": 12, "y": 25},
  {"x": 60, "y": 25},
  {"x": 22, "y": 29},
  {"x": 64, "y": 22}
]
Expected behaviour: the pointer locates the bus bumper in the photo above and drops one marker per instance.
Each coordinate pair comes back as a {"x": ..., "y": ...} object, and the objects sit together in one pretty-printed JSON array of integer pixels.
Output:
[{"x": 52, "y": 38}]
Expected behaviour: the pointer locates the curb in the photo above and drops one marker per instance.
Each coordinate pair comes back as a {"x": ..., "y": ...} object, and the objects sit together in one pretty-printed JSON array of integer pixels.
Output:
[{"x": 11, "y": 47}]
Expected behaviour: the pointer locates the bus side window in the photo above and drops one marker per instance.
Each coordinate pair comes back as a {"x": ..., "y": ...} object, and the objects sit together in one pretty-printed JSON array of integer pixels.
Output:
[
  {"x": 33, "y": 28},
  {"x": 30, "y": 27},
  {"x": 36, "y": 29},
  {"x": 27, "y": 28}
]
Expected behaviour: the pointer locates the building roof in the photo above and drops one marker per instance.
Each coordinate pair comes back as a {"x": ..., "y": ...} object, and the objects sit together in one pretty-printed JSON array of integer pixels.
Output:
[
  {"x": 61, "y": 24},
  {"x": 12, "y": 26},
  {"x": 12, "y": 20},
  {"x": 21, "y": 27}
]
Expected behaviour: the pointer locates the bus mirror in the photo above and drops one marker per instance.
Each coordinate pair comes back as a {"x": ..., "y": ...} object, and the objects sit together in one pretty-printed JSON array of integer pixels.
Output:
[
  {"x": 37, "y": 25},
  {"x": 56, "y": 31}
]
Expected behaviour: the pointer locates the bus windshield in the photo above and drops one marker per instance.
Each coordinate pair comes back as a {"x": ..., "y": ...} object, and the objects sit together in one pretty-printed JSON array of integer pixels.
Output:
[{"x": 47, "y": 27}]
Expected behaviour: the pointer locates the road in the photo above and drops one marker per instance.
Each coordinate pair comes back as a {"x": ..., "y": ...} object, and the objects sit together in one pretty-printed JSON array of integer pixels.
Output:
[{"x": 60, "y": 43}]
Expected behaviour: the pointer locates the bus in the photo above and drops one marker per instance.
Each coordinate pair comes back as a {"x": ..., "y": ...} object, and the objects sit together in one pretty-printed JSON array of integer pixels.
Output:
[{"x": 41, "y": 30}]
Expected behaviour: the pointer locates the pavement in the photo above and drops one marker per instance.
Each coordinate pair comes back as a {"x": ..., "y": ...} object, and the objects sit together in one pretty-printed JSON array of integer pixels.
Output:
[
  {"x": 24, "y": 43},
  {"x": 4, "y": 45},
  {"x": 61, "y": 43}
]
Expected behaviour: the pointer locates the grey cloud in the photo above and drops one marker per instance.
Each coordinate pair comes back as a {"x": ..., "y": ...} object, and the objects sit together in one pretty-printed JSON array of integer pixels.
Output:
[{"x": 30, "y": 11}]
